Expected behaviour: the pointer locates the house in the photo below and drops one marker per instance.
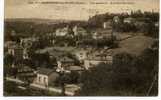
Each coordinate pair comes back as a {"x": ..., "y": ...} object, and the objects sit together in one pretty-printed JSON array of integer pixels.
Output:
[
  {"x": 16, "y": 51},
  {"x": 141, "y": 23},
  {"x": 79, "y": 31},
  {"x": 8, "y": 44},
  {"x": 64, "y": 62},
  {"x": 102, "y": 33},
  {"x": 78, "y": 69},
  {"x": 62, "y": 32},
  {"x": 25, "y": 53},
  {"x": 96, "y": 36},
  {"x": 107, "y": 24},
  {"x": 156, "y": 24},
  {"x": 54, "y": 54},
  {"x": 26, "y": 72},
  {"x": 129, "y": 20},
  {"x": 116, "y": 19},
  {"x": 46, "y": 77},
  {"x": 74, "y": 88},
  {"x": 95, "y": 58},
  {"x": 80, "y": 54},
  {"x": 141, "y": 26},
  {"x": 28, "y": 42}
]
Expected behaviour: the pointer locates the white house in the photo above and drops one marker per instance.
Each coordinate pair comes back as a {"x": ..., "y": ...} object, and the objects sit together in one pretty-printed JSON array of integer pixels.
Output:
[
  {"x": 79, "y": 31},
  {"x": 88, "y": 63},
  {"x": 95, "y": 35},
  {"x": 62, "y": 32},
  {"x": 129, "y": 20},
  {"x": 156, "y": 24},
  {"x": 116, "y": 19},
  {"x": 97, "y": 58},
  {"x": 107, "y": 24},
  {"x": 46, "y": 77},
  {"x": 80, "y": 54}
]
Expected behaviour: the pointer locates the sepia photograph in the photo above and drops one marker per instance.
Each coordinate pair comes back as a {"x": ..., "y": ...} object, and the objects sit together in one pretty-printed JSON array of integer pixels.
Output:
[{"x": 81, "y": 48}]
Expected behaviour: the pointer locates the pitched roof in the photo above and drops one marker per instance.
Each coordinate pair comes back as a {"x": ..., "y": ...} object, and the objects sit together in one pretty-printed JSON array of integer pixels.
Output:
[
  {"x": 66, "y": 59},
  {"x": 16, "y": 46},
  {"x": 9, "y": 43},
  {"x": 75, "y": 68},
  {"x": 25, "y": 69},
  {"x": 45, "y": 71}
]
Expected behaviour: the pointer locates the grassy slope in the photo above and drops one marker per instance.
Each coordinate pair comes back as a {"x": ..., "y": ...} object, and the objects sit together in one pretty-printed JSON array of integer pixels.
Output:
[{"x": 134, "y": 45}]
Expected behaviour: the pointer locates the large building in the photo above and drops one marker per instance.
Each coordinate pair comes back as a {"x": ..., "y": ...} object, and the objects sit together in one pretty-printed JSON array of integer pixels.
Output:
[{"x": 95, "y": 58}]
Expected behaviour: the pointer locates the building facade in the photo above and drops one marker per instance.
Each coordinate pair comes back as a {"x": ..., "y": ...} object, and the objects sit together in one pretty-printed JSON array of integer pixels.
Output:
[{"x": 46, "y": 77}]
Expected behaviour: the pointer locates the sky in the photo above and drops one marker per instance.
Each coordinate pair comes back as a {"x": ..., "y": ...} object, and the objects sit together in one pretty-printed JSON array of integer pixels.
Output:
[{"x": 57, "y": 9}]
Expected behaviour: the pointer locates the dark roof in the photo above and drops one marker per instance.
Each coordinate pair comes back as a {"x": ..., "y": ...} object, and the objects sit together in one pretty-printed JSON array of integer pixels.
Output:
[
  {"x": 66, "y": 59},
  {"x": 45, "y": 71},
  {"x": 24, "y": 69},
  {"x": 16, "y": 46},
  {"x": 9, "y": 43},
  {"x": 103, "y": 31}
]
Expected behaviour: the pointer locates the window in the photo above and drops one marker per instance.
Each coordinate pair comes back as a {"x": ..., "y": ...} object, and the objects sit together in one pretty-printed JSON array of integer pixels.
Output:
[
  {"x": 44, "y": 79},
  {"x": 39, "y": 78}
]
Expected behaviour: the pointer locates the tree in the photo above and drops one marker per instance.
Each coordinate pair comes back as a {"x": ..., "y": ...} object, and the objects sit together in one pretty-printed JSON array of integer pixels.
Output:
[
  {"x": 149, "y": 70},
  {"x": 8, "y": 59},
  {"x": 128, "y": 75},
  {"x": 62, "y": 80},
  {"x": 99, "y": 78},
  {"x": 74, "y": 77}
]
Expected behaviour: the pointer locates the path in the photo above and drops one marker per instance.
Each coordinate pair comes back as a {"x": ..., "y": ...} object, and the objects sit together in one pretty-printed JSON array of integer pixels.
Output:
[{"x": 40, "y": 86}]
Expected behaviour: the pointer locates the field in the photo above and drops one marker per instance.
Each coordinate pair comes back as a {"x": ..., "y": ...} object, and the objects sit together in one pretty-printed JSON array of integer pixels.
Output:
[{"x": 134, "y": 45}]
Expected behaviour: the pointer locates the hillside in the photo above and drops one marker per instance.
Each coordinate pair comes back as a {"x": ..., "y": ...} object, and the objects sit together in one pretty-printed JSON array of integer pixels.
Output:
[{"x": 135, "y": 45}]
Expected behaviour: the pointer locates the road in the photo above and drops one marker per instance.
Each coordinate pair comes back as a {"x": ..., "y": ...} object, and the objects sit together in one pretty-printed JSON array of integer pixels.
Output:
[{"x": 52, "y": 89}]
